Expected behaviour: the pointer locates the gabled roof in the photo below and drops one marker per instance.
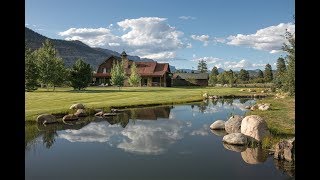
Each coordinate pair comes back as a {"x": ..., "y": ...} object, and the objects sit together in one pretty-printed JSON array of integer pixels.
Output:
[{"x": 190, "y": 76}]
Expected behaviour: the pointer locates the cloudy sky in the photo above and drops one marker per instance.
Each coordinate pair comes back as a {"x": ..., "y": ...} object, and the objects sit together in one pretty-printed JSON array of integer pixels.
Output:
[{"x": 230, "y": 34}]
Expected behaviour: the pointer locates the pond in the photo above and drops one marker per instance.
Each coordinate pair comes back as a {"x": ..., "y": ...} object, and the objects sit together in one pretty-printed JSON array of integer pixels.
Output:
[{"x": 163, "y": 142}]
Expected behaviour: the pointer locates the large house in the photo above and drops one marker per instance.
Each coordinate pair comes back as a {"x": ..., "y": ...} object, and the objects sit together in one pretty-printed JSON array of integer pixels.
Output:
[
  {"x": 152, "y": 73},
  {"x": 190, "y": 79}
]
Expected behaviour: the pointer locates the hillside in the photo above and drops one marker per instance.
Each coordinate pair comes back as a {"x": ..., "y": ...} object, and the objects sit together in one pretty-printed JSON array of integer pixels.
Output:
[{"x": 70, "y": 51}]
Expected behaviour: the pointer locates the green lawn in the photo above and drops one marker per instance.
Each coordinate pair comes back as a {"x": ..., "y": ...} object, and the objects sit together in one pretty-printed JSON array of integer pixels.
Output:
[
  {"x": 281, "y": 116},
  {"x": 43, "y": 101}
]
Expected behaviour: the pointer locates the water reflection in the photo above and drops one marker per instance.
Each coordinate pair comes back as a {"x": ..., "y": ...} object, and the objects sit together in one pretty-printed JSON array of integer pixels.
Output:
[
  {"x": 178, "y": 134},
  {"x": 254, "y": 155},
  {"x": 219, "y": 132}
]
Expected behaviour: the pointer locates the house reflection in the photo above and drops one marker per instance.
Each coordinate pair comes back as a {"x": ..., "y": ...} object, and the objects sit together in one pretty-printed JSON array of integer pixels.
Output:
[{"x": 151, "y": 113}]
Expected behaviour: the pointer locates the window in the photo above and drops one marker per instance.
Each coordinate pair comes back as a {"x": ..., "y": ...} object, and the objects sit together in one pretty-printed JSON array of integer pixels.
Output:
[{"x": 104, "y": 70}]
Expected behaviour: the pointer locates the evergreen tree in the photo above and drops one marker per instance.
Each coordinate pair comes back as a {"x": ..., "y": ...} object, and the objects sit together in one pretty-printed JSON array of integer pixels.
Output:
[
  {"x": 202, "y": 66},
  {"x": 117, "y": 74},
  {"x": 80, "y": 75},
  {"x": 214, "y": 71},
  {"x": 244, "y": 75},
  {"x": 268, "y": 75},
  {"x": 281, "y": 72},
  {"x": 289, "y": 84},
  {"x": 134, "y": 79},
  {"x": 31, "y": 71},
  {"x": 260, "y": 74},
  {"x": 230, "y": 77}
]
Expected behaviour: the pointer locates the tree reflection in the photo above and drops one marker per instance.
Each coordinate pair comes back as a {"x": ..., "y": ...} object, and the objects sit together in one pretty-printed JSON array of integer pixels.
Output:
[
  {"x": 203, "y": 106},
  {"x": 49, "y": 138},
  {"x": 243, "y": 100}
]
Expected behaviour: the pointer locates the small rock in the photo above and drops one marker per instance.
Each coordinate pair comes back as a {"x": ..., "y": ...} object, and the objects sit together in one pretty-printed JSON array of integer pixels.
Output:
[
  {"x": 46, "y": 119},
  {"x": 254, "y": 107},
  {"x": 99, "y": 113},
  {"x": 205, "y": 95},
  {"x": 116, "y": 110},
  {"x": 264, "y": 107},
  {"x": 218, "y": 124},
  {"x": 77, "y": 106},
  {"x": 247, "y": 107},
  {"x": 70, "y": 117},
  {"x": 109, "y": 114},
  {"x": 235, "y": 139},
  {"x": 81, "y": 113}
]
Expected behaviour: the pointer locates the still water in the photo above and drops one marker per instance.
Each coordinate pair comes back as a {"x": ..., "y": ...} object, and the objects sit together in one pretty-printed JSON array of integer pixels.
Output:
[{"x": 165, "y": 142}]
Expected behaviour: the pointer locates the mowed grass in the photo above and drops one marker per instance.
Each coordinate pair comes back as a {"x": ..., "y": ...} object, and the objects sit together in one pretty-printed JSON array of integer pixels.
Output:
[
  {"x": 59, "y": 101},
  {"x": 280, "y": 118}
]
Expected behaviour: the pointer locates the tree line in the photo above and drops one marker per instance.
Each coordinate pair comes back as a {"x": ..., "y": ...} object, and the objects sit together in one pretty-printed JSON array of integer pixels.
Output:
[{"x": 283, "y": 79}]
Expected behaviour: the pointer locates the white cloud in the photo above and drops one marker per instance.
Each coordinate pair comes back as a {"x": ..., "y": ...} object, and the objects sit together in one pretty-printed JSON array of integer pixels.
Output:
[
  {"x": 202, "y": 38},
  {"x": 275, "y": 51},
  {"x": 144, "y": 137},
  {"x": 209, "y": 60},
  {"x": 114, "y": 44},
  {"x": 194, "y": 56},
  {"x": 187, "y": 17},
  {"x": 150, "y": 37},
  {"x": 269, "y": 39},
  {"x": 219, "y": 40},
  {"x": 98, "y": 37},
  {"x": 203, "y": 131},
  {"x": 189, "y": 45},
  {"x": 227, "y": 64},
  {"x": 26, "y": 24}
]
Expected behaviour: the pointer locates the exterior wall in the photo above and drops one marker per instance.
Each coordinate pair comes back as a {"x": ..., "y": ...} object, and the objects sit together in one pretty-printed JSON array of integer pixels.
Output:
[{"x": 183, "y": 82}]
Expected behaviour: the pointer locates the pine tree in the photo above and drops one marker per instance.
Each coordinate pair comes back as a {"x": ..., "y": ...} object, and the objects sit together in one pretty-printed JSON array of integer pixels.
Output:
[
  {"x": 268, "y": 75},
  {"x": 31, "y": 71},
  {"x": 80, "y": 75},
  {"x": 289, "y": 84},
  {"x": 281, "y": 72},
  {"x": 260, "y": 74},
  {"x": 244, "y": 75},
  {"x": 117, "y": 74},
  {"x": 214, "y": 71},
  {"x": 134, "y": 79},
  {"x": 202, "y": 66}
]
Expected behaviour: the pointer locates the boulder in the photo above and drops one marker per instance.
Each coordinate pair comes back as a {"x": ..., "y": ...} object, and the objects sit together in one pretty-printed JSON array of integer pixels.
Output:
[
  {"x": 254, "y": 155},
  {"x": 218, "y": 124},
  {"x": 70, "y": 117},
  {"x": 219, "y": 132},
  {"x": 247, "y": 107},
  {"x": 46, "y": 119},
  {"x": 254, "y": 126},
  {"x": 285, "y": 149},
  {"x": 233, "y": 124},
  {"x": 251, "y": 90},
  {"x": 242, "y": 90},
  {"x": 77, "y": 106},
  {"x": 235, "y": 148},
  {"x": 81, "y": 113},
  {"x": 99, "y": 113},
  {"x": 235, "y": 139}
]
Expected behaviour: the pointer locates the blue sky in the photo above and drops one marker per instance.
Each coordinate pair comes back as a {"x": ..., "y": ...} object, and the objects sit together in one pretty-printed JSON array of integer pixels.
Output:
[{"x": 228, "y": 34}]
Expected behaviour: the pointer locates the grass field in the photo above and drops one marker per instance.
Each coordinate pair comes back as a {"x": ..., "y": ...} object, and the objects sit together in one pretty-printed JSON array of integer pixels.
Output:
[
  {"x": 59, "y": 101},
  {"x": 281, "y": 116}
]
